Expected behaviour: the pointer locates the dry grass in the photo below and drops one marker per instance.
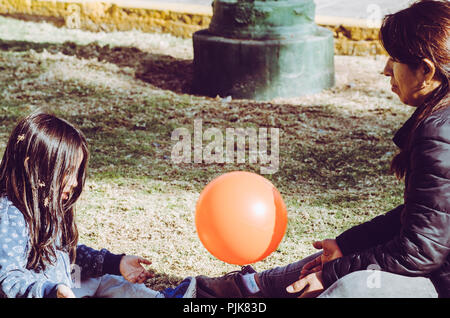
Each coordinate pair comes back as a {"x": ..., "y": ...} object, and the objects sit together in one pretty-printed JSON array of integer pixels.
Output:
[{"x": 129, "y": 91}]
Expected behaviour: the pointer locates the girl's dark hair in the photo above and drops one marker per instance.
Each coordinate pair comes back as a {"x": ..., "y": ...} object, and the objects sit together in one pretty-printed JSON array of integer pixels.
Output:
[
  {"x": 409, "y": 36},
  {"x": 42, "y": 152}
]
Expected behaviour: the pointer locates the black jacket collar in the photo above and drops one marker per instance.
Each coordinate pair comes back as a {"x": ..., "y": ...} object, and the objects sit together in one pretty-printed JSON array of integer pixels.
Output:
[{"x": 401, "y": 135}]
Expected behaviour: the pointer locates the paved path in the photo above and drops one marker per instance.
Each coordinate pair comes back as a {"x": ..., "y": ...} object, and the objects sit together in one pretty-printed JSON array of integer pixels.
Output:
[{"x": 356, "y": 9}]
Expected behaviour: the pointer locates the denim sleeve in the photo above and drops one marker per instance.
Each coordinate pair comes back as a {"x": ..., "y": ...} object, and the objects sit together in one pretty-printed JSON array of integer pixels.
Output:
[
  {"x": 94, "y": 263},
  {"x": 15, "y": 280}
]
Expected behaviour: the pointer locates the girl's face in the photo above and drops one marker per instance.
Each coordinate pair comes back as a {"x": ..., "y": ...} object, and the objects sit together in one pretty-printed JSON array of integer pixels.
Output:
[{"x": 72, "y": 179}]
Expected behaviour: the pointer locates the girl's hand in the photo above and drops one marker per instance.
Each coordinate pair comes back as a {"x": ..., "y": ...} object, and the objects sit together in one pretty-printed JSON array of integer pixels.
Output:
[
  {"x": 62, "y": 291},
  {"x": 312, "y": 286},
  {"x": 331, "y": 251},
  {"x": 132, "y": 270}
]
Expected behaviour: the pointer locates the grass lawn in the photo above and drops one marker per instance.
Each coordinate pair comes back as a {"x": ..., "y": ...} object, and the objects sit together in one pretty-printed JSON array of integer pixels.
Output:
[{"x": 128, "y": 91}]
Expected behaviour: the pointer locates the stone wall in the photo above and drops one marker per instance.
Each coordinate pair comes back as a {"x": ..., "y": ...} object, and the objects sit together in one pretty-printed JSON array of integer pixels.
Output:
[{"x": 180, "y": 20}]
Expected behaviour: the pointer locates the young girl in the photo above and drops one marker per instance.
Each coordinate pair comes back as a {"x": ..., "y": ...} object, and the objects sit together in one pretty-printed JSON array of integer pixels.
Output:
[{"x": 42, "y": 175}]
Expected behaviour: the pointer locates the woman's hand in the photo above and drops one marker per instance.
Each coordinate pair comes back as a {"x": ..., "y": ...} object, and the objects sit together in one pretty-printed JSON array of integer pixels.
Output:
[
  {"x": 62, "y": 291},
  {"x": 132, "y": 270},
  {"x": 331, "y": 251},
  {"x": 311, "y": 275},
  {"x": 312, "y": 286}
]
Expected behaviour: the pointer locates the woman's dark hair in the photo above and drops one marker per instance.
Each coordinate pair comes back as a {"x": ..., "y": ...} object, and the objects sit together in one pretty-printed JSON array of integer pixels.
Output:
[
  {"x": 42, "y": 152},
  {"x": 409, "y": 36}
]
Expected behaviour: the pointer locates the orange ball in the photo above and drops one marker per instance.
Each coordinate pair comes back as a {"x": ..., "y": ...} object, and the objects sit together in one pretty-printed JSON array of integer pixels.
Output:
[{"x": 240, "y": 217}]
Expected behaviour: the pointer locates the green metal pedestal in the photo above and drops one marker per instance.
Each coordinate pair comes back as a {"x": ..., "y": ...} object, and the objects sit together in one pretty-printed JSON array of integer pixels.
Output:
[{"x": 262, "y": 50}]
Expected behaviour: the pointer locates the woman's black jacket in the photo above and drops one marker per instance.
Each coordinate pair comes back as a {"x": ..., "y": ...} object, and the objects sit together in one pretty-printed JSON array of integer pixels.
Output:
[{"x": 414, "y": 238}]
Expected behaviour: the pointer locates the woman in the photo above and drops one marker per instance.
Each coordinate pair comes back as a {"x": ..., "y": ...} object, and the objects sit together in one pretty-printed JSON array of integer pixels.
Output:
[{"x": 406, "y": 252}]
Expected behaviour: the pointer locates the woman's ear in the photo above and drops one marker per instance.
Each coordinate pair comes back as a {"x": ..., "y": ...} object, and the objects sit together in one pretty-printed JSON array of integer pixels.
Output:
[{"x": 428, "y": 70}]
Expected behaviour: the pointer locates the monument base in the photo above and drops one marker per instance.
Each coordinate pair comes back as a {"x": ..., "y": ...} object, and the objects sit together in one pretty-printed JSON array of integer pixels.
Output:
[{"x": 263, "y": 69}]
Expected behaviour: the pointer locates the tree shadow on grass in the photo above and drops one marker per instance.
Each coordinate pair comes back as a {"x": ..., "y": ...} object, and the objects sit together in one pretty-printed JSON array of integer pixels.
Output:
[
  {"x": 162, "y": 71},
  {"x": 133, "y": 140}
]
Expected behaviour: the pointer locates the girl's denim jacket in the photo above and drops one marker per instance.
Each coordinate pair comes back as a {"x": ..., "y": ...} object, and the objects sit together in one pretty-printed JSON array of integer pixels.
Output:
[{"x": 18, "y": 281}]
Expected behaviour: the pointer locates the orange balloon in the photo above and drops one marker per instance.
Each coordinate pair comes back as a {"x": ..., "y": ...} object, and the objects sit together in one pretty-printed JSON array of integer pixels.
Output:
[{"x": 240, "y": 217}]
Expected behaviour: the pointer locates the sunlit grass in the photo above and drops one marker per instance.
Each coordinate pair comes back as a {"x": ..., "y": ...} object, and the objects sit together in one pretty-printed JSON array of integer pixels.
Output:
[{"x": 335, "y": 147}]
